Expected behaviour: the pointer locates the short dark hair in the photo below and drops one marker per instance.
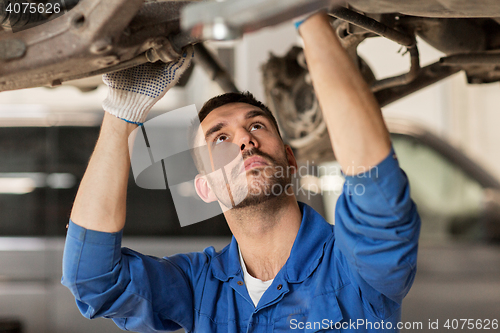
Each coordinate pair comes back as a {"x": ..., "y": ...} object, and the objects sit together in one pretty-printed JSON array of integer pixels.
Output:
[
  {"x": 233, "y": 97},
  {"x": 220, "y": 100}
]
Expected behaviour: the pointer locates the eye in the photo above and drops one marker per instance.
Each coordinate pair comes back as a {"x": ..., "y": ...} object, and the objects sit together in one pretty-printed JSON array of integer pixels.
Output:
[
  {"x": 220, "y": 138},
  {"x": 256, "y": 126}
]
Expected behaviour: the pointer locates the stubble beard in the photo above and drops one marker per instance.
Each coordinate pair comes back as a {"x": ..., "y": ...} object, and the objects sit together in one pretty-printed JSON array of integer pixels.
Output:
[
  {"x": 263, "y": 184},
  {"x": 267, "y": 184}
]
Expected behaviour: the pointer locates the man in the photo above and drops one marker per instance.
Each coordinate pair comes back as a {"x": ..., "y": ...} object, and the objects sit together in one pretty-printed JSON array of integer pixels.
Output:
[{"x": 286, "y": 268}]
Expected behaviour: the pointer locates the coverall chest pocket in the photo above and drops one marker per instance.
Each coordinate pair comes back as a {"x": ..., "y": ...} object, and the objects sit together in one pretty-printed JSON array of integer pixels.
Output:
[{"x": 319, "y": 314}]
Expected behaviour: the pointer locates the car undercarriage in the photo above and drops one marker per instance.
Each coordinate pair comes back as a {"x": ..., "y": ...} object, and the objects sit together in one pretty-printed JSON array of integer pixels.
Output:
[{"x": 91, "y": 37}]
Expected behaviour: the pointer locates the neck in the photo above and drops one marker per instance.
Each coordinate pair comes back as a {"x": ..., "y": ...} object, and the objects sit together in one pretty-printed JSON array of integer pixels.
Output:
[{"x": 265, "y": 234}]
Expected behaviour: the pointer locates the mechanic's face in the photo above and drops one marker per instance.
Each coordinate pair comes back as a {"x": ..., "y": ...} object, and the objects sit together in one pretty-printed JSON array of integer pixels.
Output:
[{"x": 264, "y": 168}]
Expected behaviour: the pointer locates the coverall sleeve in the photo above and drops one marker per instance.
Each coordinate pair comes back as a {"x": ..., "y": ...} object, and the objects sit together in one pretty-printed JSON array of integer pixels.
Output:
[
  {"x": 140, "y": 293},
  {"x": 376, "y": 232}
]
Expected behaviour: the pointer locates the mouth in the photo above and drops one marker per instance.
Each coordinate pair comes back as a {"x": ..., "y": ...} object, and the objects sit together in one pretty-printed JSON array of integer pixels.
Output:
[{"x": 254, "y": 162}]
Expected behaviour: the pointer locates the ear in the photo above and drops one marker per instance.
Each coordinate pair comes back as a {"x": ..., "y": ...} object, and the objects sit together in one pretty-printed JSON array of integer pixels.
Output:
[
  {"x": 291, "y": 158},
  {"x": 203, "y": 189}
]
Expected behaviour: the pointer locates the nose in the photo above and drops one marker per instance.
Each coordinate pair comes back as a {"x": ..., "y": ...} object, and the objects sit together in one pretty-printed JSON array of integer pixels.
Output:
[{"x": 246, "y": 140}]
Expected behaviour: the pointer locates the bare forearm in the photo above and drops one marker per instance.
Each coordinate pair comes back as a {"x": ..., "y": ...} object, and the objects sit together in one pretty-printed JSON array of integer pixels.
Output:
[
  {"x": 354, "y": 120},
  {"x": 100, "y": 201}
]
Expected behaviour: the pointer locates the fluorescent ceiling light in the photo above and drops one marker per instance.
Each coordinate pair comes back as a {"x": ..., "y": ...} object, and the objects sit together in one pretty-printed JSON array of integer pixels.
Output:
[
  {"x": 26, "y": 182},
  {"x": 17, "y": 185},
  {"x": 61, "y": 180},
  {"x": 23, "y": 111}
]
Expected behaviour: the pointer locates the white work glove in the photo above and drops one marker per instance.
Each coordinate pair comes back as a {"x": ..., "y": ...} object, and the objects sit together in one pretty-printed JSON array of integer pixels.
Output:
[{"x": 133, "y": 92}]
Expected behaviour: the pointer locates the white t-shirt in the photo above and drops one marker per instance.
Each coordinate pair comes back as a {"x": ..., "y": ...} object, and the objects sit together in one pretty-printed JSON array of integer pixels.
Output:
[{"x": 255, "y": 287}]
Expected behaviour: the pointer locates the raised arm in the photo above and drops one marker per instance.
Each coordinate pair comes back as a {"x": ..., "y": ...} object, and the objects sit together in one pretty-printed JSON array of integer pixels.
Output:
[
  {"x": 354, "y": 120},
  {"x": 376, "y": 222},
  {"x": 105, "y": 279},
  {"x": 100, "y": 201}
]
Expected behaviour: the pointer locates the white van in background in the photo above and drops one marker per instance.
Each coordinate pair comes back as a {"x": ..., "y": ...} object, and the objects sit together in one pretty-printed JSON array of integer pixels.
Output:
[{"x": 42, "y": 160}]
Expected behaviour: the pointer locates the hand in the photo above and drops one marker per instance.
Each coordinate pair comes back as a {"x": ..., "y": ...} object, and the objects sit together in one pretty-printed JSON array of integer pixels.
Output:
[
  {"x": 133, "y": 92},
  {"x": 297, "y": 22}
]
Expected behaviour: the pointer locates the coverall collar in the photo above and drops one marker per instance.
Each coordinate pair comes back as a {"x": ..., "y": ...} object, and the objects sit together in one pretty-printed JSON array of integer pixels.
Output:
[{"x": 306, "y": 253}]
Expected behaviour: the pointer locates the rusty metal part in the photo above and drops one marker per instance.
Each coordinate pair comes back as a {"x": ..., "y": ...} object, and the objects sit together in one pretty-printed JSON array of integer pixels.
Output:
[
  {"x": 372, "y": 25},
  {"x": 92, "y": 38},
  {"x": 162, "y": 50},
  {"x": 431, "y": 8},
  {"x": 290, "y": 96},
  {"x": 182, "y": 39},
  {"x": 12, "y": 49},
  {"x": 479, "y": 59},
  {"x": 480, "y": 74},
  {"x": 480, "y": 67},
  {"x": 351, "y": 41},
  {"x": 205, "y": 58},
  {"x": 401, "y": 79},
  {"x": 139, "y": 60},
  {"x": 230, "y": 19},
  {"x": 427, "y": 76},
  {"x": 450, "y": 35},
  {"x": 99, "y": 36}
]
